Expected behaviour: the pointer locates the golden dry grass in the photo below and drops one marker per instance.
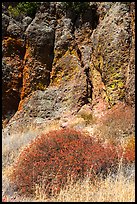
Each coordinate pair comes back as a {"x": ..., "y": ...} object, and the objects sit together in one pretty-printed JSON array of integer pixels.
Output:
[
  {"x": 116, "y": 188},
  {"x": 111, "y": 189},
  {"x": 14, "y": 143}
]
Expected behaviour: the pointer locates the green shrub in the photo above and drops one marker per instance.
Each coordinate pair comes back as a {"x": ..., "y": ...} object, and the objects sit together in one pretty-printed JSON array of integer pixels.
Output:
[
  {"x": 13, "y": 11},
  {"x": 26, "y": 8}
]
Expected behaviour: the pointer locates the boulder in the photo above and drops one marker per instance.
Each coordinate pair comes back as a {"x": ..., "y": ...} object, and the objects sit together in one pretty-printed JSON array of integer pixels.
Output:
[{"x": 14, "y": 29}]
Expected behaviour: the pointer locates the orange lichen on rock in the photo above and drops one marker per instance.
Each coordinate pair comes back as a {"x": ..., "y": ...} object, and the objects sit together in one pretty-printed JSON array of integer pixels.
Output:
[
  {"x": 26, "y": 70},
  {"x": 13, "y": 46}
]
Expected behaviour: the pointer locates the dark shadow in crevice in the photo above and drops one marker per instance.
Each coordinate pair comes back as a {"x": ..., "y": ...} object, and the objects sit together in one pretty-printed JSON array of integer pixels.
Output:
[
  {"x": 9, "y": 106},
  {"x": 89, "y": 85},
  {"x": 90, "y": 16}
]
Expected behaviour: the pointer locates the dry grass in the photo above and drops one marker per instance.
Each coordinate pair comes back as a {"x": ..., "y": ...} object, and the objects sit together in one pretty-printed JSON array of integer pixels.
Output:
[
  {"x": 111, "y": 189},
  {"x": 14, "y": 143}
]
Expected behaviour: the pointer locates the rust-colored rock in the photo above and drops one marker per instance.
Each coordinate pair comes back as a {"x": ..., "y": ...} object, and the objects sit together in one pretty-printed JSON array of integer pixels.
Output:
[{"x": 12, "y": 67}]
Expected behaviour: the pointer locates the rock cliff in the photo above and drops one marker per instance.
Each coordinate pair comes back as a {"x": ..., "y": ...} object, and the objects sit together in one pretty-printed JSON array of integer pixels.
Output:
[{"x": 62, "y": 65}]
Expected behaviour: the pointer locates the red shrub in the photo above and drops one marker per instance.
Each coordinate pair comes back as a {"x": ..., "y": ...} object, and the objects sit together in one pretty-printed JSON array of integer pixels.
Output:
[{"x": 51, "y": 157}]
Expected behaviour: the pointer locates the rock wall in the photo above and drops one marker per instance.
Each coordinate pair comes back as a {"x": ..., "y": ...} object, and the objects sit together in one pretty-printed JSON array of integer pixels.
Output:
[{"x": 60, "y": 61}]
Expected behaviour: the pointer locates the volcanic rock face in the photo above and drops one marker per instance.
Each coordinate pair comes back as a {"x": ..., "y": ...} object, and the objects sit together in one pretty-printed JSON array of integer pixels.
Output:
[
  {"x": 111, "y": 50},
  {"x": 39, "y": 53},
  {"x": 60, "y": 61},
  {"x": 12, "y": 68}
]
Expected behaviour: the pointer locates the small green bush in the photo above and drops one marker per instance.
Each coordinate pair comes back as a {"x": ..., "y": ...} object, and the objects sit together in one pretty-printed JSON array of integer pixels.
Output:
[
  {"x": 13, "y": 11},
  {"x": 26, "y": 8}
]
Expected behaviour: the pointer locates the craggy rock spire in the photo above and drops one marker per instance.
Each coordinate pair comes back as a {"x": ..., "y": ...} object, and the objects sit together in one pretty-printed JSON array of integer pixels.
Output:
[{"x": 59, "y": 61}]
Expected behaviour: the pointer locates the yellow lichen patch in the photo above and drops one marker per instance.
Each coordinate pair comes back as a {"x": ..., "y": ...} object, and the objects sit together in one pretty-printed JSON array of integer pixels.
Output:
[
  {"x": 41, "y": 86},
  {"x": 65, "y": 68},
  {"x": 73, "y": 52},
  {"x": 101, "y": 62}
]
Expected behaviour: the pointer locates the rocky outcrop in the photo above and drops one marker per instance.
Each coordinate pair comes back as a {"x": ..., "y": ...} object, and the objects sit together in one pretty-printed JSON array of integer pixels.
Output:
[
  {"x": 39, "y": 53},
  {"x": 63, "y": 60},
  {"x": 12, "y": 68},
  {"x": 110, "y": 56}
]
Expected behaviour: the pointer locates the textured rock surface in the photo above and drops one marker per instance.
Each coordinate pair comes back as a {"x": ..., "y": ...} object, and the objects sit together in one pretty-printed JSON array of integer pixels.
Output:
[
  {"x": 5, "y": 23},
  {"x": 39, "y": 53},
  {"x": 14, "y": 29},
  {"x": 12, "y": 68},
  {"x": 130, "y": 72},
  {"x": 111, "y": 47},
  {"x": 64, "y": 60}
]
